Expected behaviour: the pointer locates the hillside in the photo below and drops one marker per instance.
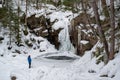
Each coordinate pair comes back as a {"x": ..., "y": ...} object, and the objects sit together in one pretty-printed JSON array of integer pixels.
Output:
[{"x": 63, "y": 40}]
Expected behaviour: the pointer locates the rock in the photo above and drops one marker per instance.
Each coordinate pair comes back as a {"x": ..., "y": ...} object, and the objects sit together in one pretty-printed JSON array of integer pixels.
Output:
[
  {"x": 17, "y": 51},
  {"x": 85, "y": 33},
  {"x": 28, "y": 43},
  {"x": 36, "y": 22},
  {"x": 14, "y": 55},
  {"x": 1, "y": 55},
  {"x": 84, "y": 47},
  {"x": 10, "y": 47},
  {"x": 81, "y": 19},
  {"x": 13, "y": 78},
  {"x": 41, "y": 26},
  {"x": 104, "y": 75},
  {"x": 1, "y": 38},
  {"x": 92, "y": 71}
]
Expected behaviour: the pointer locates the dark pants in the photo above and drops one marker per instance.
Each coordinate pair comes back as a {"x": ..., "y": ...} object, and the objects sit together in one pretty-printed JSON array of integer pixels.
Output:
[{"x": 29, "y": 65}]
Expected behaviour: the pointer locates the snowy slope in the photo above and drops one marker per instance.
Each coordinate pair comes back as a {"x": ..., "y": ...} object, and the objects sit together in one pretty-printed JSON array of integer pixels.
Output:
[{"x": 78, "y": 68}]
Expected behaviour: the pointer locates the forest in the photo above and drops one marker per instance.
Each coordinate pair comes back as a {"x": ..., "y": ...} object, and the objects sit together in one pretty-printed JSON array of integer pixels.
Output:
[{"x": 71, "y": 39}]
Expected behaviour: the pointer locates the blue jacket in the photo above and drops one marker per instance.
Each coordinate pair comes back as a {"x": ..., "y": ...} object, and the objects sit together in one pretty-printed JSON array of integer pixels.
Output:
[{"x": 29, "y": 59}]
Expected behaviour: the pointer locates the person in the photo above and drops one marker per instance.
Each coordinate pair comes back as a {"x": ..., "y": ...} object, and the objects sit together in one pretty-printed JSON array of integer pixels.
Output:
[{"x": 29, "y": 61}]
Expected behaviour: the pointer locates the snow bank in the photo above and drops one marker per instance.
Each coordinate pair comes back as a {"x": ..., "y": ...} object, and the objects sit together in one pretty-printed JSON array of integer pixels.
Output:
[{"x": 82, "y": 68}]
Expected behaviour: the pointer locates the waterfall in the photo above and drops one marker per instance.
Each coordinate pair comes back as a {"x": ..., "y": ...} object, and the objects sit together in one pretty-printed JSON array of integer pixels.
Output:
[{"x": 65, "y": 39}]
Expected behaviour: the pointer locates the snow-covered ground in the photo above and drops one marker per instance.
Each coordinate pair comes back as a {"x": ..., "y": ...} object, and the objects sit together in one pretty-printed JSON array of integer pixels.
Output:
[
  {"x": 84, "y": 68},
  {"x": 64, "y": 66}
]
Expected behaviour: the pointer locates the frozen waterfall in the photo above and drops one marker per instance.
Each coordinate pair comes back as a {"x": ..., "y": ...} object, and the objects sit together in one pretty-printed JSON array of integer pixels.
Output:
[{"x": 64, "y": 38}]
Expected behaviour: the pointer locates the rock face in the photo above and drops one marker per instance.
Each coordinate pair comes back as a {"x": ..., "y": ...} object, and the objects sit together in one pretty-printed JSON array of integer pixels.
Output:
[
  {"x": 41, "y": 26},
  {"x": 36, "y": 22},
  {"x": 92, "y": 40},
  {"x": 86, "y": 34}
]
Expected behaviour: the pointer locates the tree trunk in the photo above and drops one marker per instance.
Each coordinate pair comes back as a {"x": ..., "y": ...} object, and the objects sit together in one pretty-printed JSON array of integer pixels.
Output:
[
  {"x": 104, "y": 7},
  {"x": 88, "y": 18},
  {"x": 112, "y": 19},
  {"x": 18, "y": 33},
  {"x": 26, "y": 14},
  {"x": 3, "y": 1},
  {"x": 101, "y": 32},
  {"x": 37, "y": 2}
]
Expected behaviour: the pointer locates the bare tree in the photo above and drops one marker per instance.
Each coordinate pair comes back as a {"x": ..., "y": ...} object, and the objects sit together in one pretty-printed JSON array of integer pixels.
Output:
[
  {"x": 26, "y": 14},
  {"x": 112, "y": 22}
]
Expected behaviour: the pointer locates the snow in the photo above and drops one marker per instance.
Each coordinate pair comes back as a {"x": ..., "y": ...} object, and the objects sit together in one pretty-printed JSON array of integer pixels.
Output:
[
  {"x": 81, "y": 68},
  {"x": 44, "y": 69},
  {"x": 108, "y": 2},
  {"x": 78, "y": 68},
  {"x": 84, "y": 42},
  {"x": 102, "y": 18},
  {"x": 0, "y": 5},
  {"x": 112, "y": 67}
]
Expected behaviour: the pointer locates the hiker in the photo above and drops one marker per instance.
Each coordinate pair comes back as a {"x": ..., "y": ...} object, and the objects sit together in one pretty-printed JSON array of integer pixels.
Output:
[{"x": 29, "y": 61}]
